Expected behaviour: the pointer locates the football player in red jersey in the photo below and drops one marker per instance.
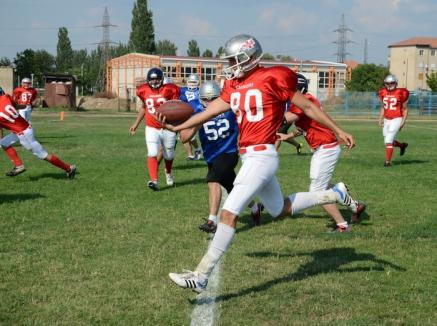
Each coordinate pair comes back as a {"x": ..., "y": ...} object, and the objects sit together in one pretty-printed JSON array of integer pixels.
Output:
[
  {"x": 257, "y": 95},
  {"x": 11, "y": 120},
  {"x": 393, "y": 114},
  {"x": 153, "y": 93},
  {"x": 326, "y": 152},
  {"x": 25, "y": 97}
]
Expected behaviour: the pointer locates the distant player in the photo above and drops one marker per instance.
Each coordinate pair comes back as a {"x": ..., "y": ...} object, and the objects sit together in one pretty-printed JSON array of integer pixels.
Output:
[
  {"x": 257, "y": 95},
  {"x": 218, "y": 137},
  {"x": 25, "y": 96},
  {"x": 284, "y": 129},
  {"x": 20, "y": 129},
  {"x": 393, "y": 115},
  {"x": 190, "y": 94},
  {"x": 326, "y": 152},
  {"x": 153, "y": 93}
]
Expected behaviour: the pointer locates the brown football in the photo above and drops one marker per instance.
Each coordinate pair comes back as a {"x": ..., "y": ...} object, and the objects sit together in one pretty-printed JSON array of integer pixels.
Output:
[{"x": 176, "y": 111}]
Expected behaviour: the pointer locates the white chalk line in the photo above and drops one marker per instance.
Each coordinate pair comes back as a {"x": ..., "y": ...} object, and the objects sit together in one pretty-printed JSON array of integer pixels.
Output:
[{"x": 206, "y": 313}]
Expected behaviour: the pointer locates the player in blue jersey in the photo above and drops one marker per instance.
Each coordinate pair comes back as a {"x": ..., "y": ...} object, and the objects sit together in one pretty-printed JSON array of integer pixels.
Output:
[
  {"x": 190, "y": 94},
  {"x": 218, "y": 138}
]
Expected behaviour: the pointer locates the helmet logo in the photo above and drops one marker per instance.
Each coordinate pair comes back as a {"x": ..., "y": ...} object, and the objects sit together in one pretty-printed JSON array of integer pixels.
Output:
[{"x": 248, "y": 44}]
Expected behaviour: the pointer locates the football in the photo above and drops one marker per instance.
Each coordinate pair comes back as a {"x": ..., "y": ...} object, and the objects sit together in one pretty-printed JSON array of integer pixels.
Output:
[{"x": 176, "y": 111}]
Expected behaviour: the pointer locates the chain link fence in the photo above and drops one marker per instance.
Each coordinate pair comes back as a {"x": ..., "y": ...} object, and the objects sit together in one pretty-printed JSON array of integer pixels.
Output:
[{"x": 368, "y": 104}]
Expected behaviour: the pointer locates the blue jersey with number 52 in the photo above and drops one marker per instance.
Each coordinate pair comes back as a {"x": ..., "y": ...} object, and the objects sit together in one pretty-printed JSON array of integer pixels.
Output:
[{"x": 218, "y": 135}]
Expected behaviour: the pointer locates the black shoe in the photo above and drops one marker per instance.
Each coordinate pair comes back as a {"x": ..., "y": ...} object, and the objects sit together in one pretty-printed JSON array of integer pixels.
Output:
[
  {"x": 72, "y": 172},
  {"x": 16, "y": 170},
  {"x": 356, "y": 217},
  {"x": 403, "y": 148},
  {"x": 208, "y": 227},
  {"x": 387, "y": 164},
  {"x": 153, "y": 185},
  {"x": 256, "y": 216},
  {"x": 299, "y": 149}
]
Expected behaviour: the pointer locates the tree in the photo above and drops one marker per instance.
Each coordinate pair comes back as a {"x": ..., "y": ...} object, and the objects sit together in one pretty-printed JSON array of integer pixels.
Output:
[
  {"x": 142, "y": 36},
  {"x": 431, "y": 80},
  {"x": 268, "y": 57},
  {"x": 284, "y": 58},
  {"x": 193, "y": 49},
  {"x": 64, "y": 52},
  {"x": 220, "y": 52},
  {"x": 207, "y": 53},
  {"x": 5, "y": 62},
  {"x": 30, "y": 62},
  {"x": 367, "y": 78},
  {"x": 166, "y": 47}
]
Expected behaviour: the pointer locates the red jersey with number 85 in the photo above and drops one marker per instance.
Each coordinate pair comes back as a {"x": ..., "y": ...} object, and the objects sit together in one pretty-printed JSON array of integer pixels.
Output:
[
  {"x": 258, "y": 100},
  {"x": 10, "y": 119},
  {"x": 153, "y": 98},
  {"x": 393, "y": 101}
]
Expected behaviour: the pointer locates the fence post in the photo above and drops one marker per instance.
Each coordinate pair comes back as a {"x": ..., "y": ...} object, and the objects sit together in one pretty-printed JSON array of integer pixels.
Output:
[
  {"x": 429, "y": 103},
  {"x": 346, "y": 102}
]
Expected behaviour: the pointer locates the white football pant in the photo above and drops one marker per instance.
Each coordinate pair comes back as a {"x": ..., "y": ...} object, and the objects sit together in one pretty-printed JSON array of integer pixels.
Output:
[
  {"x": 27, "y": 140},
  {"x": 322, "y": 167},
  {"x": 390, "y": 130},
  {"x": 256, "y": 177},
  {"x": 155, "y": 138}
]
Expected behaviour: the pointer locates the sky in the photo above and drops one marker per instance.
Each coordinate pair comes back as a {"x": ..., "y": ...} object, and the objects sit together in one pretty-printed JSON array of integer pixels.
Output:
[{"x": 301, "y": 29}]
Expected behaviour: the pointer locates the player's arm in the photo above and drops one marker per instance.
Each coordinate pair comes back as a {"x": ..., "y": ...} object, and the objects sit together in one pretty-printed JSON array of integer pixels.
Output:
[
  {"x": 312, "y": 111},
  {"x": 290, "y": 118},
  {"x": 215, "y": 108},
  {"x": 187, "y": 134},
  {"x": 140, "y": 117},
  {"x": 381, "y": 117},
  {"x": 404, "y": 115}
]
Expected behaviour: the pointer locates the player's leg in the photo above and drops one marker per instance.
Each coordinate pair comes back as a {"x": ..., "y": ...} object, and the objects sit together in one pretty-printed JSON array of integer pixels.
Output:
[
  {"x": 168, "y": 139},
  {"x": 26, "y": 113},
  {"x": 6, "y": 143},
  {"x": 249, "y": 180},
  {"x": 28, "y": 141},
  {"x": 221, "y": 173},
  {"x": 391, "y": 128},
  {"x": 197, "y": 148},
  {"x": 153, "y": 144}
]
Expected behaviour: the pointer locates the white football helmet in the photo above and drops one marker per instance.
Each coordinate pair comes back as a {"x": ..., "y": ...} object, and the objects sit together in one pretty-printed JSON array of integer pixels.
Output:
[
  {"x": 25, "y": 82},
  {"x": 193, "y": 82},
  {"x": 391, "y": 82},
  {"x": 167, "y": 80},
  {"x": 243, "y": 53},
  {"x": 209, "y": 91}
]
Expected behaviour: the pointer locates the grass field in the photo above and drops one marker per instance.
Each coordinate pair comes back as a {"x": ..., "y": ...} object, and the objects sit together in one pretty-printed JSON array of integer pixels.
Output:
[{"x": 97, "y": 250}]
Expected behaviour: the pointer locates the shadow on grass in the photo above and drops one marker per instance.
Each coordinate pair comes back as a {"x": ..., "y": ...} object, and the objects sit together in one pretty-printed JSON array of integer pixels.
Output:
[
  {"x": 11, "y": 198},
  {"x": 407, "y": 162},
  {"x": 324, "y": 261},
  {"x": 247, "y": 222},
  {"x": 179, "y": 184},
  {"x": 59, "y": 175}
]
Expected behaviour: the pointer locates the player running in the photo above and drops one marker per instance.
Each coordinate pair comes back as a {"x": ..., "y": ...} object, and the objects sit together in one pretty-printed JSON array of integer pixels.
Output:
[
  {"x": 326, "y": 152},
  {"x": 11, "y": 120},
  {"x": 153, "y": 93},
  {"x": 257, "y": 95},
  {"x": 393, "y": 115}
]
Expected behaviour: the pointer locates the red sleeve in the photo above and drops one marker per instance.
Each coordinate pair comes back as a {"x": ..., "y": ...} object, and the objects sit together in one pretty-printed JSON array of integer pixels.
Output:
[
  {"x": 34, "y": 95},
  {"x": 226, "y": 92},
  {"x": 283, "y": 82},
  {"x": 405, "y": 95},
  {"x": 16, "y": 94}
]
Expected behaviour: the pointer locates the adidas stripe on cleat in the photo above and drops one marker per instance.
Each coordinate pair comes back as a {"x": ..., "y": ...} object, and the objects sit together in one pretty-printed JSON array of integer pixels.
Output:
[{"x": 190, "y": 280}]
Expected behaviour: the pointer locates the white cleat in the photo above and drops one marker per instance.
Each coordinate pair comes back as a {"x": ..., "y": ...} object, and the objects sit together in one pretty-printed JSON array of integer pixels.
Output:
[
  {"x": 344, "y": 198},
  {"x": 169, "y": 179},
  {"x": 190, "y": 280}
]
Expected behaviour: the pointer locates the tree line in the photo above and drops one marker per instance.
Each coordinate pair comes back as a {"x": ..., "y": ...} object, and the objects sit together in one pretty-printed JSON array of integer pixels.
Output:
[{"x": 88, "y": 66}]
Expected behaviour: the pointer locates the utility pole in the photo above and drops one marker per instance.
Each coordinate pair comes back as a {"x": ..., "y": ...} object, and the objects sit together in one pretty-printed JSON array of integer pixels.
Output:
[
  {"x": 342, "y": 40},
  {"x": 103, "y": 48},
  {"x": 366, "y": 43}
]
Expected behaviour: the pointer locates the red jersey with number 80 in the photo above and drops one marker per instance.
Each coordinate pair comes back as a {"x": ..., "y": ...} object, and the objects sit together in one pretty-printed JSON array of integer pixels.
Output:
[
  {"x": 393, "y": 101},
  {"x": 258, "y": 100},
  {"x": 9, "y": 117},
  {"x": 153, "y": 98}
]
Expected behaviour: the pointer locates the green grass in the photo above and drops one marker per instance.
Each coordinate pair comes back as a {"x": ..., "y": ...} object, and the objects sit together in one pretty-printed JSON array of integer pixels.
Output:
[{"x": 97, "y": 250}]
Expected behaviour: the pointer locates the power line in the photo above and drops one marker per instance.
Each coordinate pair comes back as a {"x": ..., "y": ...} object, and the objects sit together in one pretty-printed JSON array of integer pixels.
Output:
[{"x": 342, "y": 40}]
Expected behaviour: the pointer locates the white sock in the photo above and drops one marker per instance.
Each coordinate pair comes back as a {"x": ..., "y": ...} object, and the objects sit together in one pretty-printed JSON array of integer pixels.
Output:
[
  {"x": 303, "y": 200},
  {"x": 220, "y": 243},
  {"x": 213, "y": 218}
]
